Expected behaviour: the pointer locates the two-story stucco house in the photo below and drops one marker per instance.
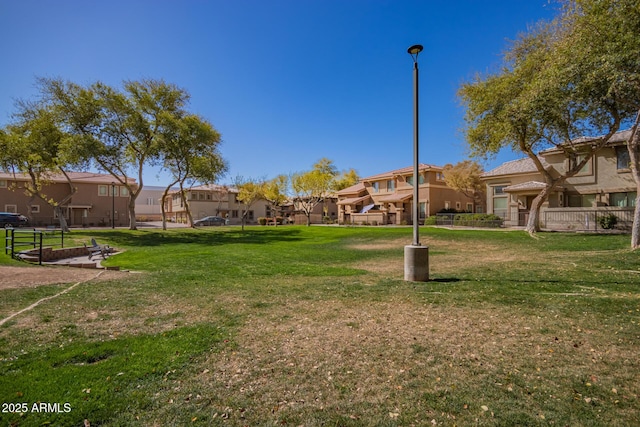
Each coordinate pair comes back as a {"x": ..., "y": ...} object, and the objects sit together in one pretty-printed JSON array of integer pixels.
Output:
[
  {"x": 387, "y": 198},
  {"x": 213, "y": 199},
  {"x": 604, "y": 186},
  {"x": 96, "y": 198}
]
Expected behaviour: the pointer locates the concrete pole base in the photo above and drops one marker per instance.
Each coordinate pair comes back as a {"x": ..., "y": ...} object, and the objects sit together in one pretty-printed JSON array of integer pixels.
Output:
[{"x": 416, "y": 263}]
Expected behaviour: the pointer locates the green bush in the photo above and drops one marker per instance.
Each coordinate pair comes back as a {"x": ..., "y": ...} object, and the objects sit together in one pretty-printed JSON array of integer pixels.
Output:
[
  {"x": 608, "y": 222},
  {"x": 477, "y": 220},
  {"x": 430, "y": 220},
  {"x": 262, "y": 220}
]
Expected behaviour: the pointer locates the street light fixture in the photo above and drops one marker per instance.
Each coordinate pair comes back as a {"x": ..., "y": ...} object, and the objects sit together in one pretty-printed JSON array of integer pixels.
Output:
[
  {"x": 113, "y": 205},
  {"x": 416, "y": 256}
]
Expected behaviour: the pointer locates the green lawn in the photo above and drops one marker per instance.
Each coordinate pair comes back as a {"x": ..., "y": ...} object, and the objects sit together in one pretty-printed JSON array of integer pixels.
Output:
[{"x": 315, "y": 326}]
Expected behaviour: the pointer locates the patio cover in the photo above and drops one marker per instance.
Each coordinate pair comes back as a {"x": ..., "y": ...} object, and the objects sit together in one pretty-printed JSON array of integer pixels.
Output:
[
  {"x": 527, "y": 186},
  {"x": 395, "y": 197},
  {"x": 353, "y": 200},
  {"x": 367, "y": 208}
]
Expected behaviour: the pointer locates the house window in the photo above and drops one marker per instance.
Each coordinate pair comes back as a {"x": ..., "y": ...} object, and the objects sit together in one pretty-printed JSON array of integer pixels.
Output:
[
  {"x": 458, "y": 205},
  {"x": 391, "y": 185},
  {"x": 622, "y": 158},
  {"x": 500, "y": 199},
  {"x": 234, "y": 214},
  {"x": 376, "y": 187},
  {"x": 439, "y": 176},
  {"x": 447, "y": 205},
  {"x": 150, "y": 201},
  {"x": 576, "y": 159},
  {"x": 420, "y": 179},
  {"x": 3, "y": 183},
  {"x": 124, "y": 192},
  {"x": 194, "y": 196},
  {"x": 469, "y": 207},
  {"x": 422, "y": 207},
  {"x": 581, "y": 200},
  {"x": 103, "y": 190},
  {"x": 623, "y": 200},
  {"x": 35, "y": 209},
  {"x": 11, "y": 208},
  {"x": 201, "y": 196}
]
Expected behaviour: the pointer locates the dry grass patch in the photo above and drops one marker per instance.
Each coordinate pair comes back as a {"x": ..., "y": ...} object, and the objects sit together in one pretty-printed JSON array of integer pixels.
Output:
[{"x": 397, "y": 358}]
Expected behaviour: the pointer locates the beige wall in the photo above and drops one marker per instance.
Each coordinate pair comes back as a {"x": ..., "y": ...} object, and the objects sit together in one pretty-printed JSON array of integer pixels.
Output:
[{"x": 87, "y": 207}]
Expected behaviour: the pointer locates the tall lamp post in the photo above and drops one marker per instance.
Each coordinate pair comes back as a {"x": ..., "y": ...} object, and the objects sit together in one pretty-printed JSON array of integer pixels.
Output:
[
  {"x": 113, "y": 205},
  {"x": 416, "y": 256}
]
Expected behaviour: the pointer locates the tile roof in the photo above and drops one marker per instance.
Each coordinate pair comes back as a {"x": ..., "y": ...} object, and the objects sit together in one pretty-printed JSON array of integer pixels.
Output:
[
  {"x": 402, "y": 171},
  {"x": 524, "y": 186},
  {"x": 354, "y": 189},
  {"x": 89, "y": 177},
  {"x": 514, "y": 167}
]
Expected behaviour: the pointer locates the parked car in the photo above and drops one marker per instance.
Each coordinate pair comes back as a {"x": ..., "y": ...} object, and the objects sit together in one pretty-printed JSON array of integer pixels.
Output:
[
  {"x": 10, "y": 219},
  {"x": 211, "y": 220}
]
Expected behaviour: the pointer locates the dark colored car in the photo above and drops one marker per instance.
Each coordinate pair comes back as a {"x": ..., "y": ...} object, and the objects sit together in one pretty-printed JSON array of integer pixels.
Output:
[
  {"x": 210, "y": 220},
  {"x": 9, "y": 219}
]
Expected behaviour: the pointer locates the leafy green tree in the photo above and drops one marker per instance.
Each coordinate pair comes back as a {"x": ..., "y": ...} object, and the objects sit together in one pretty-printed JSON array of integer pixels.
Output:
[
  {"x": 345, "y": 179},
  {"x": 249, "y": 191},
  {"x": 118, "y": 131},
  {"x": 275, "y": 193},
  {"x": 545, "y": 95},
  {"x": 33, "y": 145},
  {"x": 189, "y": 151},
  {"x": 602, "y": 38},
  {"x": 310, "y": 188},
  {"x": 465, "y": 177}
]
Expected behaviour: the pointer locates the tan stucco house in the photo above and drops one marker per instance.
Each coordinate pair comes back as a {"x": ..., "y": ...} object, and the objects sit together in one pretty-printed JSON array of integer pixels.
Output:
[
  {"x": 604, "y": 186},
  {"x": 96, "y": 197},
  {"x": 387, "y": 198},
  {"x": 212, "y": 199}
]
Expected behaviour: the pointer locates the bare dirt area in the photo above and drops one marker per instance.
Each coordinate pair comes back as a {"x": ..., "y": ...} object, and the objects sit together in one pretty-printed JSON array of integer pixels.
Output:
[{"x": 24, "y": 277}]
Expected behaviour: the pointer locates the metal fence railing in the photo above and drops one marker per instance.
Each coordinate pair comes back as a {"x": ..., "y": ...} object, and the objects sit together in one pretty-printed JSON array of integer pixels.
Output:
[
  {"x": 469, "y": 220},
  {"x": 18, "y": 240},
  {"x": 581, "y": 219}
]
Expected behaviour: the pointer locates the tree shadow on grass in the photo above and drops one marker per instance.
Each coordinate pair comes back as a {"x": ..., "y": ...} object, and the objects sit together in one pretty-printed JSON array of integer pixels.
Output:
[{"x": 203, "y": 237}]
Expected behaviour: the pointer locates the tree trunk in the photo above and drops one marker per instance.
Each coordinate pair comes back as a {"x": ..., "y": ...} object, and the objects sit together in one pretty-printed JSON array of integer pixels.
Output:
[
  {"x": 132, "y": 214},
  {"x": 533, "y": 224},
  {"x": 633, "y": 146},
  {"x": 635, "y": 230},
  {"x": 63, "y": 221}
]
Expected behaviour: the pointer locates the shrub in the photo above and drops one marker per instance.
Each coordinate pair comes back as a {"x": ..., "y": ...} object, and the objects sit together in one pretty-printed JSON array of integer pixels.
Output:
[
  {"x": 477, "y": 220},
  {"x": 431, "y": 220},
  {"x": 262, "y": 220},
  {"x": 608, "y": 222}
]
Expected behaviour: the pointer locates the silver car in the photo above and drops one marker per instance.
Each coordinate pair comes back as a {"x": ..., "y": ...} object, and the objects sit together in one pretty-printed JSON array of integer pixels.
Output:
[{"x": 211, "y": 220}]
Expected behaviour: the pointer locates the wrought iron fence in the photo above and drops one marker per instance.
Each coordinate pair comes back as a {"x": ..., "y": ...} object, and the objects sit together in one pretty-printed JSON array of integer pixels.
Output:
[
  {"x": 469, "y": 220},
  {"x": 581, "y": 219}
]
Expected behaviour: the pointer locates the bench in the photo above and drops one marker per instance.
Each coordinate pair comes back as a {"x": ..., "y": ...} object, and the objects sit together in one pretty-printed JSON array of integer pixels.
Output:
[{"x": 96, "y": 249}]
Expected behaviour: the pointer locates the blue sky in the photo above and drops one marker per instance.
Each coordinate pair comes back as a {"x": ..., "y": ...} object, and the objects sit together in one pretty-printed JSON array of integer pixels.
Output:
[{"x": 286, "y": 82}]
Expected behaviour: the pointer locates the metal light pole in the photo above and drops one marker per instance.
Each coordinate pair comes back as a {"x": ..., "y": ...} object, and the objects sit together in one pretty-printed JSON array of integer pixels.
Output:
[
  {"x": 414, "y": 51},
  {"x": 113, "y": 205},
  {"x": 416, "y": 256}
]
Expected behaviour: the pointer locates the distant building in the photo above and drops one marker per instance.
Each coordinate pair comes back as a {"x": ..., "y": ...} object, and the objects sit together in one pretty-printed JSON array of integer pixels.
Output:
[
  {"x": 213, "y": 200},
  {"x": 604, "y": 186},
  {"x": 96, "y": 198},
  {"x": 148, "y": 203},
  {"x": 387, "y": 198}
]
